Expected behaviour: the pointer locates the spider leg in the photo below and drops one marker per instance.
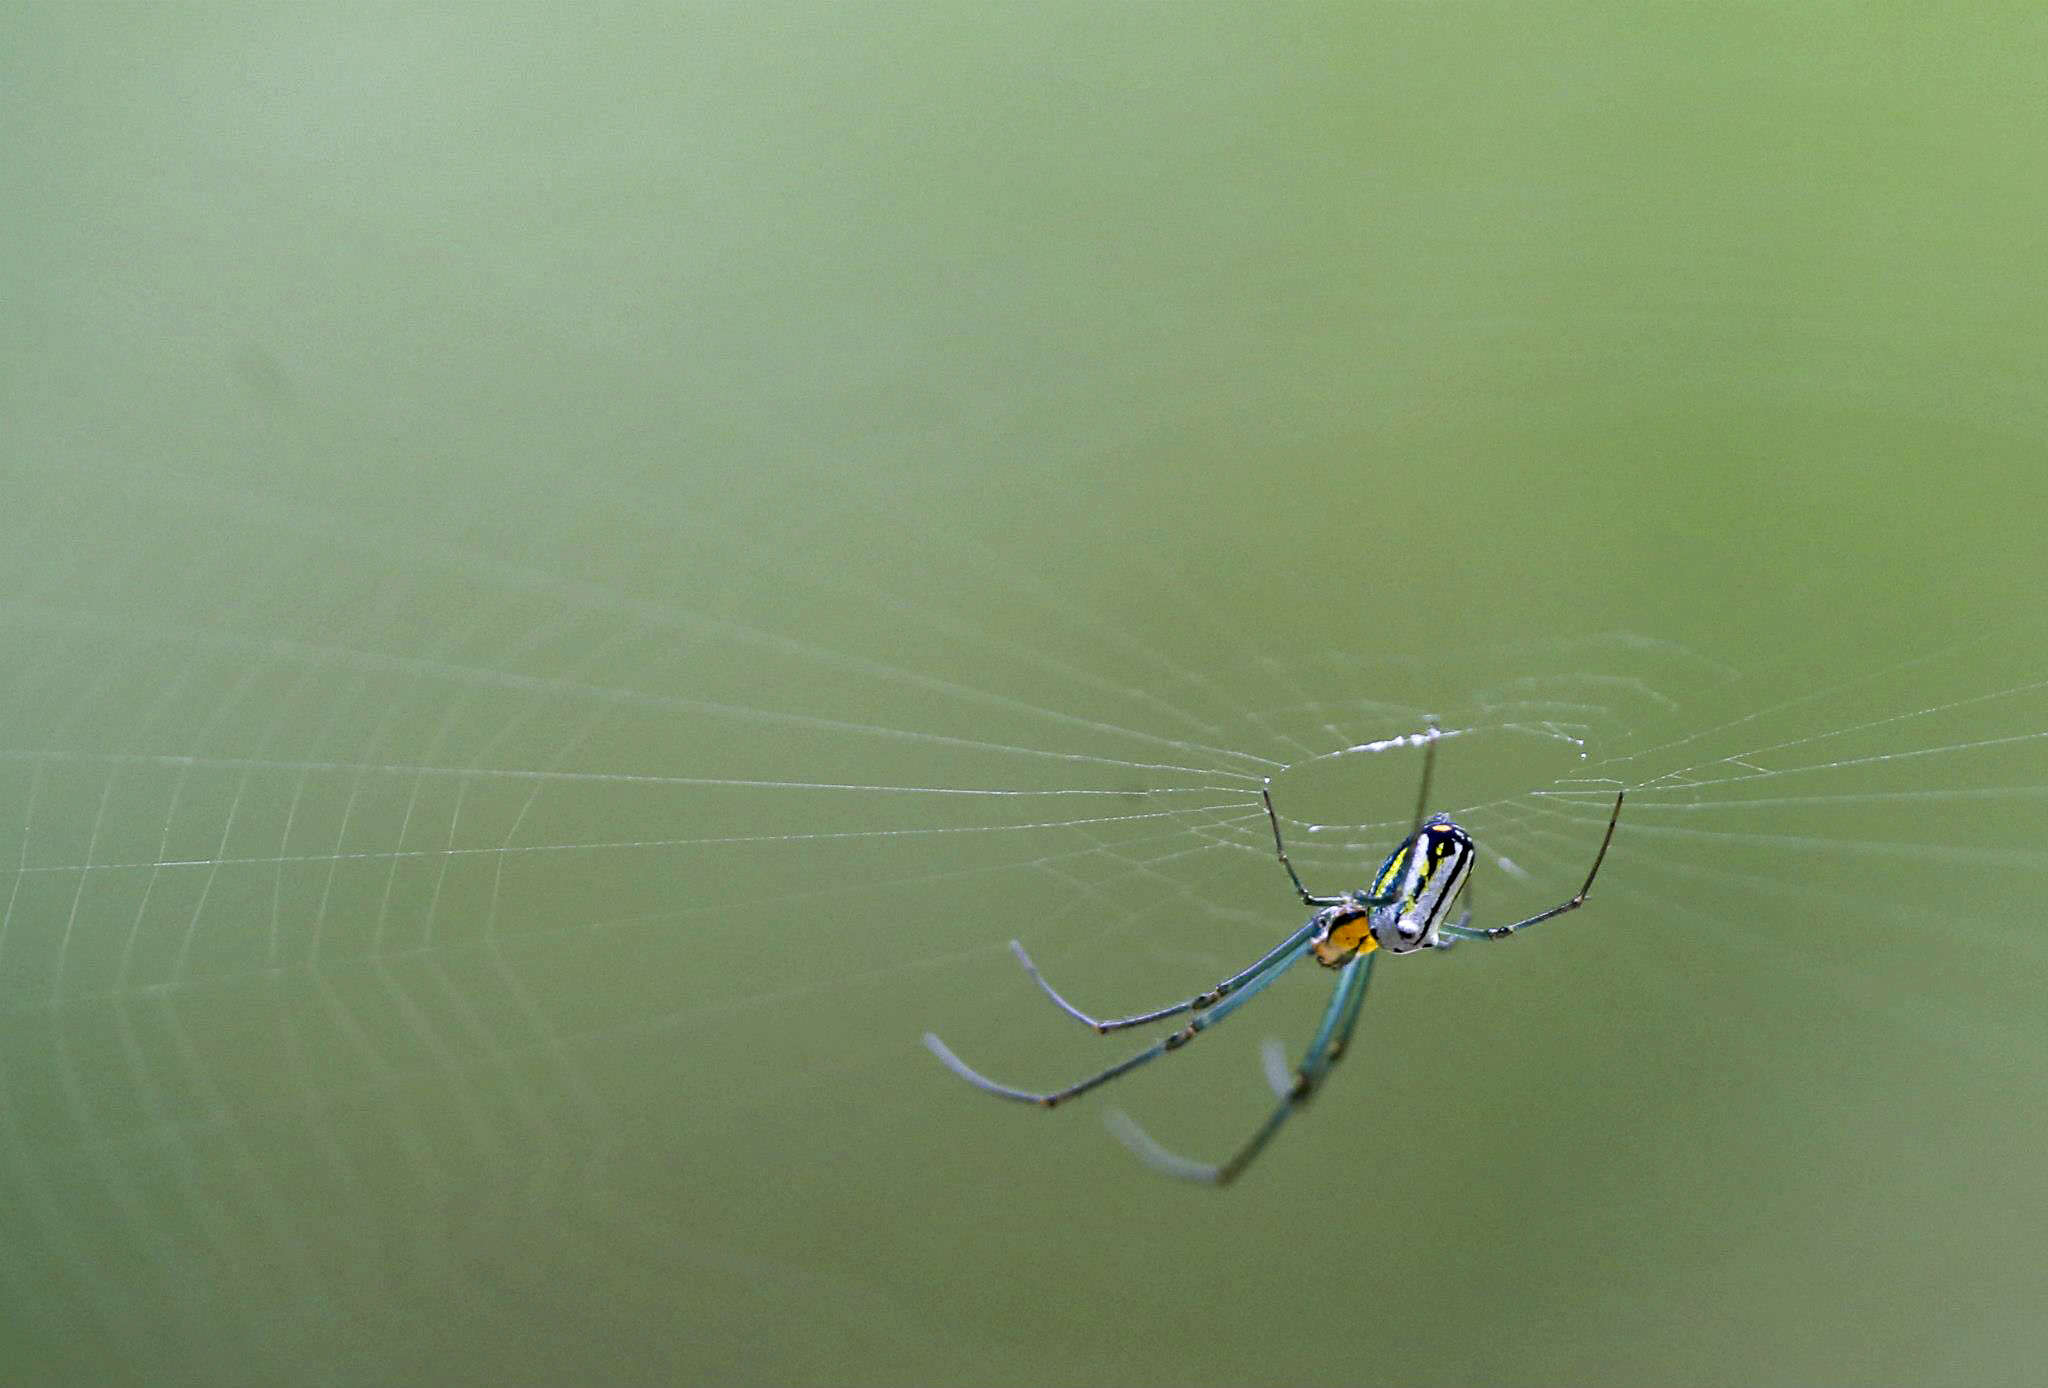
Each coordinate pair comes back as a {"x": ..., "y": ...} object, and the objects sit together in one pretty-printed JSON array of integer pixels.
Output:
[
  {"x": 1428, "y": 772},
  {"x": 1308, "y": 898},
  {"x": 1331, "y": 1038},
  {"x": 1274, "y": 965},
  {"x": 1105, "y": 1025},
  {"x": 1279, "y": 1074},
  {"x": 1501, "y": 932}
]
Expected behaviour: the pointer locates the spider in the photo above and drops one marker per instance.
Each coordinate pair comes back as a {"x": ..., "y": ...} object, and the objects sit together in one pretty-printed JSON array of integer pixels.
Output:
[{"x": 1402, "y": 912}]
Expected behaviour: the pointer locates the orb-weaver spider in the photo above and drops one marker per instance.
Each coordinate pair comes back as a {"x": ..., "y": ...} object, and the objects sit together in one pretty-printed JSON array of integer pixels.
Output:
[{"x": 1403, "y": 911}]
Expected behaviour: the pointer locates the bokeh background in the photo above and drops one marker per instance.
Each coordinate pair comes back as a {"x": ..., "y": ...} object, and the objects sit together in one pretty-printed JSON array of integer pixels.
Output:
[{"x": 573, "y": 575}]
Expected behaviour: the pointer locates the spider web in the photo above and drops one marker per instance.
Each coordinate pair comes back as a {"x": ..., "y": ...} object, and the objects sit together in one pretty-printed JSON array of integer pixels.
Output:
[
  {"x": 343, "y": 948},
  {"x": 567, "y": 588}
]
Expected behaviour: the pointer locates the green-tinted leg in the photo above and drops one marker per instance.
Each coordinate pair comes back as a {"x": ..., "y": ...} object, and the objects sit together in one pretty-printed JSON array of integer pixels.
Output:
[
  {"x": 1274, "y": 965},
  {"x": 1339, "y": 1021},
  {"x": 1194, "y": 1004}
]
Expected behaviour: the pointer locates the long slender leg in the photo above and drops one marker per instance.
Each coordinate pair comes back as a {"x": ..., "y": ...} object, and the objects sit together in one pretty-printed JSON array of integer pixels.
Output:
[
  {"x": 1279, "y": 1074},
  {"x": 1331, "y": 1038},
  {"x": 1429, "y": 739},
  {"x": 1173, "y": 1041},
  {"x": 1428, "y": 773},
  {"x": 1308, "y": 898},
  {"x": 1501, "y": 932},
  {"x": 1282, "y": 1078},
  {"x": 1194, "y": 1004},
  {"x": 1350, "y": 1022}
]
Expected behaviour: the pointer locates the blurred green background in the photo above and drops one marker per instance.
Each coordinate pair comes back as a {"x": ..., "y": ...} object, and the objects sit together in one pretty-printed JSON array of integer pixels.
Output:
[{"x": 532, "y": 537}]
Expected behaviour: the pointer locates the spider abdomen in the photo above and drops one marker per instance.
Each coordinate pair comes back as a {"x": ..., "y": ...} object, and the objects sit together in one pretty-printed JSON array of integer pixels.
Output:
[{"x": 1415, "y": 889}]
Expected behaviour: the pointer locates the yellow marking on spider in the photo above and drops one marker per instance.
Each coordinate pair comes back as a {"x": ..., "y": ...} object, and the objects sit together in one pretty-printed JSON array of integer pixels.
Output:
[
  {"x": 1352, "y": 937},
  {"x": 1396, "y": 868}
]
